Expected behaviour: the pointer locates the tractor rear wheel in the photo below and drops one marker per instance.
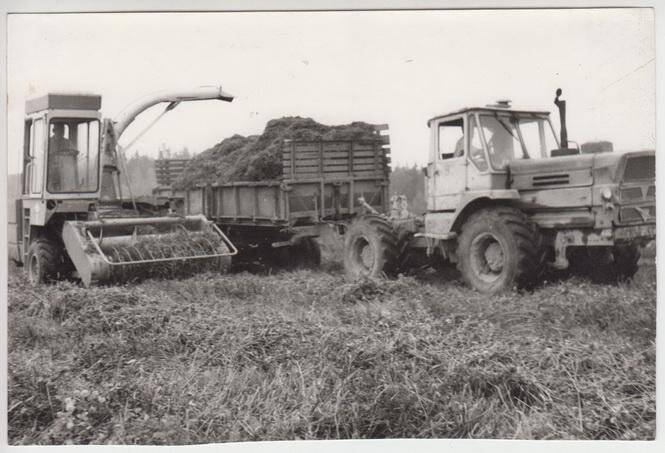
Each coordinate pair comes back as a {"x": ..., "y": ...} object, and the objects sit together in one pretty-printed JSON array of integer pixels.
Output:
[
  {"x": 500, "y": 249},
  {"x": 370, "y": 247},
  {"x": 45, "y": 262}
]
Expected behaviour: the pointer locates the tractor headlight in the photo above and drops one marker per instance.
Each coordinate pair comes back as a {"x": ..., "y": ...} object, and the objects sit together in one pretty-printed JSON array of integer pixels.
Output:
[{"x": 606, "y": 194}]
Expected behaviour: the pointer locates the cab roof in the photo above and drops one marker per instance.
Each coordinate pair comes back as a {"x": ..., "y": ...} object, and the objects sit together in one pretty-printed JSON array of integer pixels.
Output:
[
  {"x": 64, "y": 101},
  {"x": 487, "y": 109}
]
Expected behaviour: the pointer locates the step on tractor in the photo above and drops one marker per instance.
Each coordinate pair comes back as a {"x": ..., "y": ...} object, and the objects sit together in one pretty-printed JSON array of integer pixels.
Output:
[
  {"x": 507, "y": 198},
  {"x": 72, "y": 219}
]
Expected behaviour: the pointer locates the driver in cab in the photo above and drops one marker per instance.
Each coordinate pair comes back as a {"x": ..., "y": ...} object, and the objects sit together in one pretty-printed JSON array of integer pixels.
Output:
[
  {"x": 62, "y": 171},
  {"x": 58, "y": 142}
]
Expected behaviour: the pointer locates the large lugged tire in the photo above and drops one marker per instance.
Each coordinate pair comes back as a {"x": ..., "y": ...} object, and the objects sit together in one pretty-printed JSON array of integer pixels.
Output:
[
  {"x": 370, "y": 248},
  {"x": 45, "y": 262},
  {"x": 500, "y": 249}
]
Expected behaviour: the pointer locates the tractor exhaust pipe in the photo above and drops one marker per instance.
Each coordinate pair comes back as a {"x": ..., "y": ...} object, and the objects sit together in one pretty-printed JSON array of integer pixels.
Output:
[{"x": 562, "y": 117}]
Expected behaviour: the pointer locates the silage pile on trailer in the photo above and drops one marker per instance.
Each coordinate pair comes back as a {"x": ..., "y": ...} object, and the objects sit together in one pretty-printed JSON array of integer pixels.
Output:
[{"x": 259, "y": 157}]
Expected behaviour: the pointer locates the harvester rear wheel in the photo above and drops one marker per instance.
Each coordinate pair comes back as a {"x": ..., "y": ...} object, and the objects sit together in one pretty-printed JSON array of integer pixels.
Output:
[
  {"x": 45, "y": 262},
  {"x": 370, "y": 248},
  {"x": 500, "y": 249}
]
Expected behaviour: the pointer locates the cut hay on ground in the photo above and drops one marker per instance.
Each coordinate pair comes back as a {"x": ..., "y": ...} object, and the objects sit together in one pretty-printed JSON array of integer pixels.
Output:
[{"x": 311, "y": 355}]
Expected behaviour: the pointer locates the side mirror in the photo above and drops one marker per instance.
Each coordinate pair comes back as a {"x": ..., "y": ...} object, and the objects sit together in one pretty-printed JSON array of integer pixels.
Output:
[{"x": 424, "y": 170}]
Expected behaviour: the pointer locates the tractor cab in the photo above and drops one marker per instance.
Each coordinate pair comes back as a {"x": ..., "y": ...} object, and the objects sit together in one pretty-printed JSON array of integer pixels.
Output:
[
  {"x": 470, "y": 149},
  {"x": 61, "y": 154},
  {"x": 492, "y": 136}
]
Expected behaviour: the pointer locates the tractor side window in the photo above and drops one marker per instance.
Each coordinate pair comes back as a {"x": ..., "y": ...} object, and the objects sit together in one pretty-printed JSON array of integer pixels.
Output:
[
  {"x": 37, "y": 155},
  {"x": 73, "y": 155},
  {"x": 476, "y": 152},
  {"x": 451, "y": 139}
]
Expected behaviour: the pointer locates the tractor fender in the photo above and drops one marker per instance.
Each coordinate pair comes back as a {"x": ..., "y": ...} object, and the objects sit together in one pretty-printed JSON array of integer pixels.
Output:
[{"x": 471, "y": 201}]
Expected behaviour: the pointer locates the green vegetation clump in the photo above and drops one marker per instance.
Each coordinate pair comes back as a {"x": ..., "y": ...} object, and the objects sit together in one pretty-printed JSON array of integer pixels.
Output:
[
  {"x": 312, "y": 355},
  {"x": 259, "y": 157}
]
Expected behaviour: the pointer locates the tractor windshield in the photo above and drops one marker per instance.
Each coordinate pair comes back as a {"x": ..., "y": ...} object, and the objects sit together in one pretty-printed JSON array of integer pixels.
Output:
[
  {"x": 511, "y": 137},
  {"x": 73, "y": 155}
]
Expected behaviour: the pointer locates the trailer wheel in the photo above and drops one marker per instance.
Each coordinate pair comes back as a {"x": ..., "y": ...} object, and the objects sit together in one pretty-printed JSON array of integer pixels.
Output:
[
  {"x": 370, "y": 248},
  {"x": 500, "y": 249},
  {"x": 44, "y": 262}
]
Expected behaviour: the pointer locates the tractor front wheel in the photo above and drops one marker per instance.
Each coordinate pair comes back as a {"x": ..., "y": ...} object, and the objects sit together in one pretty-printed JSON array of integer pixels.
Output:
[
  {"x": 44, "y": 262},
  {"x": 499, "y": 249},
  {"x": 370, "y": 248}
]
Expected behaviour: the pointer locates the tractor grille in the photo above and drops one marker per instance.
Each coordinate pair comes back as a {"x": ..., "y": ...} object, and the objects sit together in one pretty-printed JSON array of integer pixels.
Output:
[
  {"x": 632, "y": 193},
  {"x": 637, "y": 191},
  {"x": 551, "y": 180},
  {"x": 640, "y": 167},
  {"x": 633, "y": 214}
]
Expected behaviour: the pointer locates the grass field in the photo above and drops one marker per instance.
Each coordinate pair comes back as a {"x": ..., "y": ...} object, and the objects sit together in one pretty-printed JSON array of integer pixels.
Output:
[{"x": 310, "y": 355}]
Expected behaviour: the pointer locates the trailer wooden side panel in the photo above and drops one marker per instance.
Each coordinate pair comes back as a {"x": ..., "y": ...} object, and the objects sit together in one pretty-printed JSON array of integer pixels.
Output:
[{"x": 322, "y": 181}]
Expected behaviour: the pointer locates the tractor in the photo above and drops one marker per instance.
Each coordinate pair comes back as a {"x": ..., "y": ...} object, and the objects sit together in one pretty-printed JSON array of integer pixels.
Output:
[
  {"x": 507, "y": 199},
  {"x": 72, "y": 219}
]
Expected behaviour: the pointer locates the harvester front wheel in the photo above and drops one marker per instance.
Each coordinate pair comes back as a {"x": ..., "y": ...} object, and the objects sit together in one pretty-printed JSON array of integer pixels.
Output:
[
  {"x": 44, "y": 261},
  {"x": 499, "y": 249},
  {"x": 370, "y": 248}
]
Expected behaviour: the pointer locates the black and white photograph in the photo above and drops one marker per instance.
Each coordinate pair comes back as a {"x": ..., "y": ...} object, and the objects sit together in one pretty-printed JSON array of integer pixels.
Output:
[{"x": 289, "y": 224}]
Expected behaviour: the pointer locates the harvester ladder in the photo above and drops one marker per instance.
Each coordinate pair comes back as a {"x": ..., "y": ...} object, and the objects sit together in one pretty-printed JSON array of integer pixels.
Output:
[{"x": 26, "y": 233}]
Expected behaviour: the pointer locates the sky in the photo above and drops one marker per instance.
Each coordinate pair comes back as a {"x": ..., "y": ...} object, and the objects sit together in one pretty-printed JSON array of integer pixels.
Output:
[{"x": 394, "y": 67}]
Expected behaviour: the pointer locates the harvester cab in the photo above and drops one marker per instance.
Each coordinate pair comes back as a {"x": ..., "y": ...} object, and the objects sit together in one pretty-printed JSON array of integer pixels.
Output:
[{"x": 73, "y": 219}]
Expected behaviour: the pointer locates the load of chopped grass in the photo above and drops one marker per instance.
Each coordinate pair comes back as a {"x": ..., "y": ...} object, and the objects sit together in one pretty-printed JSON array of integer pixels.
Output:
[{"x": 259, "y": 157}]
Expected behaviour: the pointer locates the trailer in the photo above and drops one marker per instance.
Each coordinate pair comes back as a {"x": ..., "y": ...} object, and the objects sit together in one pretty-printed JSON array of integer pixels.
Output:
[{"x": 324, "y": 184}]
